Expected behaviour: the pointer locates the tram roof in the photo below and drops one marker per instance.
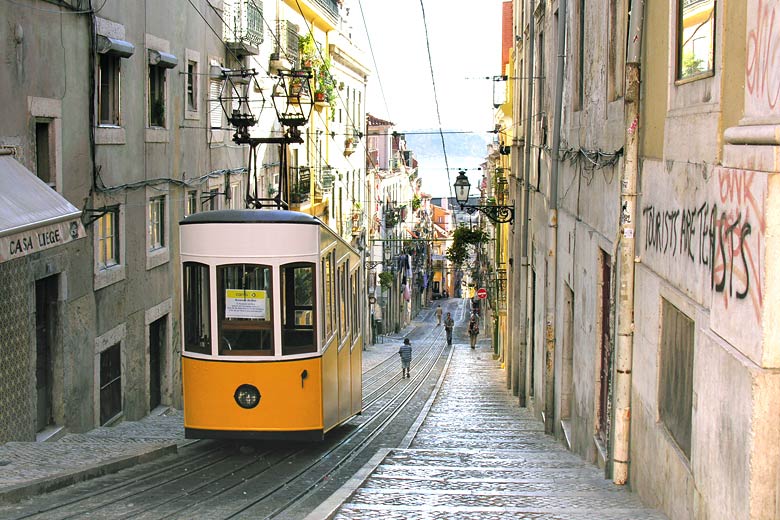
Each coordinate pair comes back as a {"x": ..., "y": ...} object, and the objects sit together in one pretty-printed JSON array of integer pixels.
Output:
[{"x": 250, "y": 216}]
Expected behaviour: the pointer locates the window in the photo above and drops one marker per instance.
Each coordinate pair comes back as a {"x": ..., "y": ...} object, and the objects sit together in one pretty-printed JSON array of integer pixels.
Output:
[
  {"x": 156, "y": 96},
  {"x": 43, "y": 162},
  {"x": 215, "y": 108},
  {"x": 244, "y": 310},
  {"x": 618, "y": 15},
  {"x": 157, "y": 223},
  {"x": 695, "y": 38},
  {"x": 580, "y": 56},
  {"x": 192, "y": 85},
  {"x": 197, "y": 308},
  {"x": 108, "y": 89},
  {"x": 110, "y": 383},
  {"x": 328, "y": 291},
  {"x": 355, "y": 308},
  {"x": 675, "y": 388},
  {"x": 343, "y": 302},
  {"x": 107, "y": 232},
  {"x": 192, "y": 202},
  {"x": 298, "y": 316}
]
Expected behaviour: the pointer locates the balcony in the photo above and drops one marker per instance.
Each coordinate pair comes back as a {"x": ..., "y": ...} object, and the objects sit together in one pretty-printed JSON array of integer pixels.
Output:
[
  {"x": 243, "y": 29},
  {"x": 300, "y": 185}
]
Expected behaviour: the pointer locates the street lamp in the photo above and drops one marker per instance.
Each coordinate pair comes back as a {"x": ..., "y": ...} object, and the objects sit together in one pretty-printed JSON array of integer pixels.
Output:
[
  {"x": 292, "y": 100},
  {"x": 497, "y": 214}
]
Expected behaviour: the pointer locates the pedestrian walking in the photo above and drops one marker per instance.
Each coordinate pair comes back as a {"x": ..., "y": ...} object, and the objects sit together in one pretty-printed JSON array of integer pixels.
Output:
[
  {"x": 473, "y": 330},
  {"x": 448, "y": 324},
  {"x": 438, "y": 315},
  {"x": 406, "y": 357}
]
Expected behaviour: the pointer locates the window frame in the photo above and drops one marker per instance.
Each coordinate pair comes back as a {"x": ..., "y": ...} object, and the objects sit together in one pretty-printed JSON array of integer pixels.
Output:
[
  {"x": 157, "y": 253},
  {"x": 105, "y": 275},
  {"x": 112, "y": 99},
  {"x": 102, "y": 236},
  {"x": 679, "y": 79},
  {"x": 192, "y": 80},
  {"x": 157, "y": 91}
]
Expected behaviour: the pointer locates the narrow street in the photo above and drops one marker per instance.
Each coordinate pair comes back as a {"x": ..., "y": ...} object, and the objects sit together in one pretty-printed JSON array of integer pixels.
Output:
[{"x": 458, "y": 446}]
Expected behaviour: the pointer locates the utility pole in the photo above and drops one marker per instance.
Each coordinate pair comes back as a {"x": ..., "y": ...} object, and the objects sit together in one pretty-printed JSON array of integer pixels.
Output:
[{"x": 628, "y": 194}]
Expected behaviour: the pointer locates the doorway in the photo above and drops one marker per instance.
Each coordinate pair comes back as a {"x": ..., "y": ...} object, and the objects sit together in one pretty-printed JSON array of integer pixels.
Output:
[
  {"x": 46, "y": 294},
  {"x": 605, "y": 368},
  {"x": 157, "y": 349}
]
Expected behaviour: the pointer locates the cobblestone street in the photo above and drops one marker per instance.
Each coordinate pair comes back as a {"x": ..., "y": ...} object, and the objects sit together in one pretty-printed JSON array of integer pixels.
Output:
[{"x": 477, "y": 455}]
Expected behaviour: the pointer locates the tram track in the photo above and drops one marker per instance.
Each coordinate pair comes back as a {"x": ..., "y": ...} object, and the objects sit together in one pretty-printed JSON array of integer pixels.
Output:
[{"x": 283, "y": 481}]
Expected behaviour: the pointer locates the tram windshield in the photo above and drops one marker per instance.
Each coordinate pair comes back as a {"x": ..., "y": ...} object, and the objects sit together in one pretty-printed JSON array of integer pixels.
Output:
[
  {"x": 244, "y": 310},
  {"x": 298, "y": 317}
]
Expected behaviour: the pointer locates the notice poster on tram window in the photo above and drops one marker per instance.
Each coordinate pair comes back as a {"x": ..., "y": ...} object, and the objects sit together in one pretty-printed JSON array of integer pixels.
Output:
[{"x": 248, "y": 304}]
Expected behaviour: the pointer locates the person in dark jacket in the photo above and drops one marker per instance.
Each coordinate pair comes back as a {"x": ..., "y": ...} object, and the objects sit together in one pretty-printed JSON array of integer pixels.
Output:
[
  {"x": 448, "y": 324},
  {"x": 406, "y": 357},
  {"x": 473, "y": 330}
]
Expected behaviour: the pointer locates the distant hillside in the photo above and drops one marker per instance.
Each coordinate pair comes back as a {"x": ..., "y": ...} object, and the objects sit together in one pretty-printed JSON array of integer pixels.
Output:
[{"x": 428, "y": 145}]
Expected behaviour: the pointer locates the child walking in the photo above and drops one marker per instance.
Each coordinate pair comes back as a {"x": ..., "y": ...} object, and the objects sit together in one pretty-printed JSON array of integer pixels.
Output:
[{"x": 406, "y": 357}]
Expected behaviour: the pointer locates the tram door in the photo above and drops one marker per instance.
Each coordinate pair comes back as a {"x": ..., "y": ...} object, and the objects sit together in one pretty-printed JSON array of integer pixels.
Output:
[
  {"x": 45, "y": 327},
  {"x": 156, "y": 351}
]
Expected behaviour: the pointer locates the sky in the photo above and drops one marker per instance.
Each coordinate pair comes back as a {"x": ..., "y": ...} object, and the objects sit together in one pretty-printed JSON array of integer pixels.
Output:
[{"x": 465, "y": 48}]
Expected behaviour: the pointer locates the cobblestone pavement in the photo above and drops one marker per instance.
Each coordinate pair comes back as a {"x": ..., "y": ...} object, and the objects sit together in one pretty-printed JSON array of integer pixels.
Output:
[{"x": 477, "y": 455}]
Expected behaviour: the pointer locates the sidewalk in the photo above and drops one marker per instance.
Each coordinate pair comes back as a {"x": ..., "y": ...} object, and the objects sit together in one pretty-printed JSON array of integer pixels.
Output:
[{"x": 478, "y": 455}]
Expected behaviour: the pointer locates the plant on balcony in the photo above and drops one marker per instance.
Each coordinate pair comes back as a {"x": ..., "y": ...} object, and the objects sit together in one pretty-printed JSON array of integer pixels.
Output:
[
  {"x": 416, "y": 202},
  {"x": 307, "y": 50},
  {"x": 325, "y": 86}
]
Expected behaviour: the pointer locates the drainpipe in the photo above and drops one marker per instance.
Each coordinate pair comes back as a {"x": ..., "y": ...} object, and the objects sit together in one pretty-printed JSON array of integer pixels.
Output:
[
  {"x": 525, "y": 216},
  {"x": 552, "y": 252},
  {"x": 628, "y": 183}
]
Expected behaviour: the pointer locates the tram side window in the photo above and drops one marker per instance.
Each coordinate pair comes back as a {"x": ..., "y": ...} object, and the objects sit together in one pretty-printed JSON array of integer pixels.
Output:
[
  {"x": 197, "y": 308},
  {"x": 298, "y": 317},
  {"x": 328, "y": 293},
  {"x": 244, "y": 310},
  {"x": 343, "y": 302},
  {"x": 355, "y": 310}
]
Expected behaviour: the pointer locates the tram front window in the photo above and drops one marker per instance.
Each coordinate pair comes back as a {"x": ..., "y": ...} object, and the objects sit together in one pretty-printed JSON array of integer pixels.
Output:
[
  {"x": 298, "y": 317},
  {"x": 244, "y": 310}
]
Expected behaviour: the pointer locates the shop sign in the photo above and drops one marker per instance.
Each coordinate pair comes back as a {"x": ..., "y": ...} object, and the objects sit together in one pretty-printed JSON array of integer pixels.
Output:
[{"x": 39, "y": 239}]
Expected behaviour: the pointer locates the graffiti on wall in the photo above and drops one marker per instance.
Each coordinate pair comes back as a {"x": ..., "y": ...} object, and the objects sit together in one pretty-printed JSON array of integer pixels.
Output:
[
  {"x": 762, "y": 68},
  {"x": 725, "y": 236}
]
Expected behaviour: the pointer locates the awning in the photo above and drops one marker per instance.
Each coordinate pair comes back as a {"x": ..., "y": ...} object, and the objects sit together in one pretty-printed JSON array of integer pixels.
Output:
[
  {"x": 121, "y": 48},
  {"x": 162, "y": 59},
  {"x": 33, "y": 217}
]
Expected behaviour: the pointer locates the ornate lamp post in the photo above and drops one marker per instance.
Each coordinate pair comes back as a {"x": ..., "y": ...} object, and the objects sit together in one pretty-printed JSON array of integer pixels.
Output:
[
  {"x": 292, "y": 100},
  {"x": 497, "y": 214}
]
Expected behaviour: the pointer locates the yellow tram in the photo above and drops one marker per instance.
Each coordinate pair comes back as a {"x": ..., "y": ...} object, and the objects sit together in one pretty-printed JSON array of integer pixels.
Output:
[{"x": 271, "y": 326}]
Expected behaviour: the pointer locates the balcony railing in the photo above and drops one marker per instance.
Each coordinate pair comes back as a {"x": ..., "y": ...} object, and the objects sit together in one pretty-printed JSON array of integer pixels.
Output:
[
  {"x": 300, "y": 185},
  {"x": 331, "y": 7},
  {"x": 243, "y": 29}
]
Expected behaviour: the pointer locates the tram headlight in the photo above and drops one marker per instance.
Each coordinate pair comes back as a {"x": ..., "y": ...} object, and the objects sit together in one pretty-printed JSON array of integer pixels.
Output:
[{"x": 247, "y": 396}]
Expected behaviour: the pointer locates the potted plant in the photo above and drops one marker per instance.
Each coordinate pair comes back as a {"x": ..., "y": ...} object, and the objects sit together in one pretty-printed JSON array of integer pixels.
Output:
[{"x": 307, "y": 50}]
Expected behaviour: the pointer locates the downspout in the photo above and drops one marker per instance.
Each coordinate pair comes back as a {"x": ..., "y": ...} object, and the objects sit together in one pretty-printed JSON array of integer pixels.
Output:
[
  {"x": 552, "y": 252},
  {"x": 525, "y": 266},
  {"x": 628, "y": 183}
]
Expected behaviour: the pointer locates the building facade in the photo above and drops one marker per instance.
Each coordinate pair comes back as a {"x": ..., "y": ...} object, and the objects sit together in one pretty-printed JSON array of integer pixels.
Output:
[
  {"x": 644, "y": 162},
  {"x": 131, "y": 133}
]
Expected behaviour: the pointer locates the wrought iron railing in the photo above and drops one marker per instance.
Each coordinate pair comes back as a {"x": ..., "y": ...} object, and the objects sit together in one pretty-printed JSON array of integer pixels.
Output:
[
  {"x": 243, "y": 22},
  {"x": 300, "y": 185}
]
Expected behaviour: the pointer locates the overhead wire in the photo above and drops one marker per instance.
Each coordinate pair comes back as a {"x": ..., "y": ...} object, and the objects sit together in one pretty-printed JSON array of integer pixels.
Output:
[{"x": 435, "y": 95}]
